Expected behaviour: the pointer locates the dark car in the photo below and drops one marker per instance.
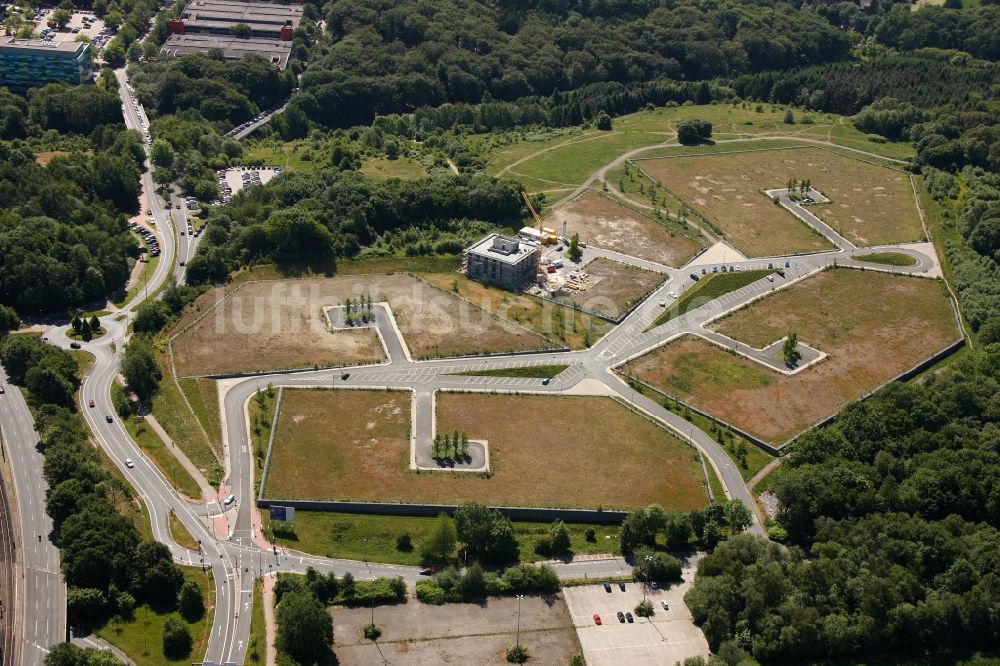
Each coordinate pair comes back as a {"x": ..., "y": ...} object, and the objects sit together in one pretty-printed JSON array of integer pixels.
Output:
[
  {"x": 781, "y": 272},
  {"x": 628, "y": 616},
  {"x": 108, "y": 418},
  {"x": 621, "y": 617},
  {"x": 607, "y": 587},
  {"x": 695, "y": 277},
  {"x": 345, "y": 376},
  {"x": 621, "y": 586},
  {"x": 428, "y": 571},
  {"x": 74, "y": 345}
]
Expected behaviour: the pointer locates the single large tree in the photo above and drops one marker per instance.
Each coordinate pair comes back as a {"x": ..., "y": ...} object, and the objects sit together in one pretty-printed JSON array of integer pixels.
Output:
[
  {"x": 790, "y": 350},
  {"x": 142, "y": 374},
  {"x": 440, "y": 543},
  {"x": 305, "y": 629}
]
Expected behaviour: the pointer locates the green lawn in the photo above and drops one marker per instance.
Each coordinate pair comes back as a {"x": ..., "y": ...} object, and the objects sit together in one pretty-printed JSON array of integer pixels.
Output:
[
  {"x": 181, "y": 534},
  {"x": 887, "y": 258},
  {"x": 373, "y": 537},
  {"x": 156, "y": 449},
  {"x": 261, "y": 415},
  {"x": 533, "y": 371},
  {"x": 257, "y": 645},
  {"x": 141, "y": 638},
  {"x": 201, "y": 393},
  {"x": 382, "y": 168},
  {"x": 183, "y": 426},
  {"x": 293, "y": 155},
  {"x": 709, "y": 288},
  {"x": 147, "y": 272}
]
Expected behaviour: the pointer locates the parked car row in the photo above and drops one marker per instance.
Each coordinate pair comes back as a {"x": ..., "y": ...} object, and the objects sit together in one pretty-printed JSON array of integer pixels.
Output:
[
  {"x": 149, "y": 237},
  {"x": 242, "y": 126}
]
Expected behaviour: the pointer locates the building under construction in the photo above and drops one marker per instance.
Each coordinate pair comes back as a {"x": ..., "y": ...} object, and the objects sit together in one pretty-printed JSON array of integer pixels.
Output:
[{"x": 503, "y": 261}]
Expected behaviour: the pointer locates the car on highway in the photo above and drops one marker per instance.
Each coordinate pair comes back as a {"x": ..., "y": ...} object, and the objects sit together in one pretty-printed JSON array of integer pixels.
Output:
[
  {"x": 182, "y": 232},
  {"x": 621, "y": 617},
  {"x": 180, "y": 263},
  {"x": 607, "y": 587},
  {"x": 90, "y": 404},
  {"x": 665, "y": 605},
  {"x": 129, "y": 463},
  {"x": 109, "y": 419},
  {"x": 628, "y": 616},
  {"x": 597, "y": 618}
]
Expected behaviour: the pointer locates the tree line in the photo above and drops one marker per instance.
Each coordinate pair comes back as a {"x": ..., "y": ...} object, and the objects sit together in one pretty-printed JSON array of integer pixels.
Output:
[{"x": 893, "y": 513}]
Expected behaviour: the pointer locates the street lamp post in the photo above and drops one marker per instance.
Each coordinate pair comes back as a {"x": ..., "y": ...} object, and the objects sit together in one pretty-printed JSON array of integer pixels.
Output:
[
  {"x": 645, "y": 582},
  {"x": 518, "y": 639}
]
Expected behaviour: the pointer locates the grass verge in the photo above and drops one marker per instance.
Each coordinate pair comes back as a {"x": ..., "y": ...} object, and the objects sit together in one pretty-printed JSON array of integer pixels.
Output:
[
  {"x": 887, "y": 258},
  {"x": 181, "y": 534},
  {"x": 708, "y": 289},
  {"x": 156, "y": 449},
  {"x": 141, "y": 638},
  {"x": 373, "y": 537},
  {"x": 539, "y": 371},
  {"x": 257, "y": 645},
  {"x": 261, "y": 415}
]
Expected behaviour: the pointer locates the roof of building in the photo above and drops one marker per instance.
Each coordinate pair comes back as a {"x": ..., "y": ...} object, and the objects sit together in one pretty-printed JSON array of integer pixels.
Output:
[
  {"x": 502, "y": 248},
  {"x": 226, "y": 13},
  {"x": 55, "y": 48},
  {"x": 233, "y": 48}
]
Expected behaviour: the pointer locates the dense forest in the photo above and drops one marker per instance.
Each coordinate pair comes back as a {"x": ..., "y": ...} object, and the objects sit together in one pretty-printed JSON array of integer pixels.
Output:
[
  {"x": 63, "y": 234},
  {"x": 893, "y": 513}
]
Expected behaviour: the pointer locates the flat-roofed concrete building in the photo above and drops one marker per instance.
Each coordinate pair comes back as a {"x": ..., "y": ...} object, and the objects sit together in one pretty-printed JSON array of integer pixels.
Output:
[
  {"x": 35, "y": 62},
  {"x": 233, "y": 48},
  {"x": 217, "y": 17},
  {"x": 502, "y": 260}
]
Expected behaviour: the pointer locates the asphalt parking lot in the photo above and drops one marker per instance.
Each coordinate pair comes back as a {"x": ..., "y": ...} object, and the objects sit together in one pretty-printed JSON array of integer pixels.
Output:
[{"x": 667, "y": 637}]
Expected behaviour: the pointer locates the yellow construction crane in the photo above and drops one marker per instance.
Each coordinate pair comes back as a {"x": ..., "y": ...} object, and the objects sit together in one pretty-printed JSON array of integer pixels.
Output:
[{"x": 546, "y": 235}]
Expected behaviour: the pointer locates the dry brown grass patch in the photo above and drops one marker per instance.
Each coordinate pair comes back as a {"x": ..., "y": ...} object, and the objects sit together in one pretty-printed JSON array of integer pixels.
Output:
[
  {"x": 870, "y": 204},
  {"x": 544, "y": 451},
  {"x": 874, "y": 326},
  {"x": 613, "y": 286},
  {"x": 605, "y": 223}
]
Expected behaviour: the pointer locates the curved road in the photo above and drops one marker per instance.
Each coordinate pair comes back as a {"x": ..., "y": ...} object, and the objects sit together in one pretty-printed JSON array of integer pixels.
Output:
[{"x": 238, "y": 556}]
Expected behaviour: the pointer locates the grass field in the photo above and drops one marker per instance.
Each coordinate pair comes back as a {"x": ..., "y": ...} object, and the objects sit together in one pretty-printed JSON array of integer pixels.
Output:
[
  {"x": 613, "y": 287},
  {"x": 157, "y": 451},
  {"x": 531, "y": 371},
  {"x": 279, "y": 324},
  {"x": 285, "y": 155},
  {"x": 147, "y": 271},
  {"x": 596, "y": 453},
  {"x": 872, "y": 325},
  {"x": 574, "y": 329},
  {"x": 887, "y": 258},
  {"x": 869, "y": 204},
  {"x": 185, "y": 427},
  {"x": 404, "y": 167},
  {"x": 709, "y": 288},
  {"x": 606, "y": 223},
  {"x": 557, "y": 162},
  {"x": 181, "y": 534},
  {"x": 141, "y": 638},
  {"x": 373, "y": 537}
]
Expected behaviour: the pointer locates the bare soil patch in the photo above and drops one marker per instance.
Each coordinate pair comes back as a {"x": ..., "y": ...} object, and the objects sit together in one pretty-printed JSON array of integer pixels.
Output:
[
  {"x": 873, "y": 326},
  {"x": 423, "y": 635},
  {"x": 613, "y": 286},
  {"x": 605, "y": 223},
  {"x": 583, "y": 452},
  {"x": 869, "y": 204},
  {"x": 272, "y": 325}
]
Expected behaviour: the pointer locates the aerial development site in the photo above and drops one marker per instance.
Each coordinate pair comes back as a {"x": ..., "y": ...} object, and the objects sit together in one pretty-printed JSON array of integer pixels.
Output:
[{"x": 354, "y": 332}]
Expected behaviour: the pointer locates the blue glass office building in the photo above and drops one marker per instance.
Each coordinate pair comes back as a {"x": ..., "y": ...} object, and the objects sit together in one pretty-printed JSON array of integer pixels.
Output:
[{"x": 25, "y": 63}]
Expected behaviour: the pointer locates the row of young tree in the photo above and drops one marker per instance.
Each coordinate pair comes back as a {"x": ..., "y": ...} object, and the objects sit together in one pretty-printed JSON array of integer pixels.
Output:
[{"x": 893, "y": 510}]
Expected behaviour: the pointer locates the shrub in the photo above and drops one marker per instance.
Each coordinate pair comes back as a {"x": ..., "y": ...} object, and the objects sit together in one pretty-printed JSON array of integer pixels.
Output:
[
  {"x": 190, "y": 601},
  {"x": 429, "y": 592},
  {"x": 371, "y": 632},
  {"x": 177, "y": 641},
  {"x": 645, "y": 609},
  {"x": 693, "y": 131},
  {"x": 517, "y": 654},
  {"x": 404, "y": 542}
]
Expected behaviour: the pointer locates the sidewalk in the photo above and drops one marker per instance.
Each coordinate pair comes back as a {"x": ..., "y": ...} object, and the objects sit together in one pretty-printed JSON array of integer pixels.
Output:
[{"x": 207, "y": 491}]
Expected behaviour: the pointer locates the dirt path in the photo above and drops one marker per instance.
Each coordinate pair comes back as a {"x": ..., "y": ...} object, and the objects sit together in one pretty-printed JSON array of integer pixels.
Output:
[
  {"x": 762, "y": 472},
  {"x": 208, "y": 492},
  {"x": 270, "y": 628}
]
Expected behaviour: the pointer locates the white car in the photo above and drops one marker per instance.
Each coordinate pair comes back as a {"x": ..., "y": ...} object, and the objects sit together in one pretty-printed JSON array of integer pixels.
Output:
[
  {"x": 129, "y": 463},
  {"x": 663, "y": 304},
  {"x": 672, "y": 294}
]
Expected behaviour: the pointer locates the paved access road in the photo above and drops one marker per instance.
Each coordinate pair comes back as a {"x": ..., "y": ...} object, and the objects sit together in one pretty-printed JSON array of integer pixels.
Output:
[{"x": 236, "y": 558}]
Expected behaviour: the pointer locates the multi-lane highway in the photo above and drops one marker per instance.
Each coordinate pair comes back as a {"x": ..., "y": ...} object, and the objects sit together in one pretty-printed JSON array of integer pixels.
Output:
[{"x": 235, "y": 554}]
